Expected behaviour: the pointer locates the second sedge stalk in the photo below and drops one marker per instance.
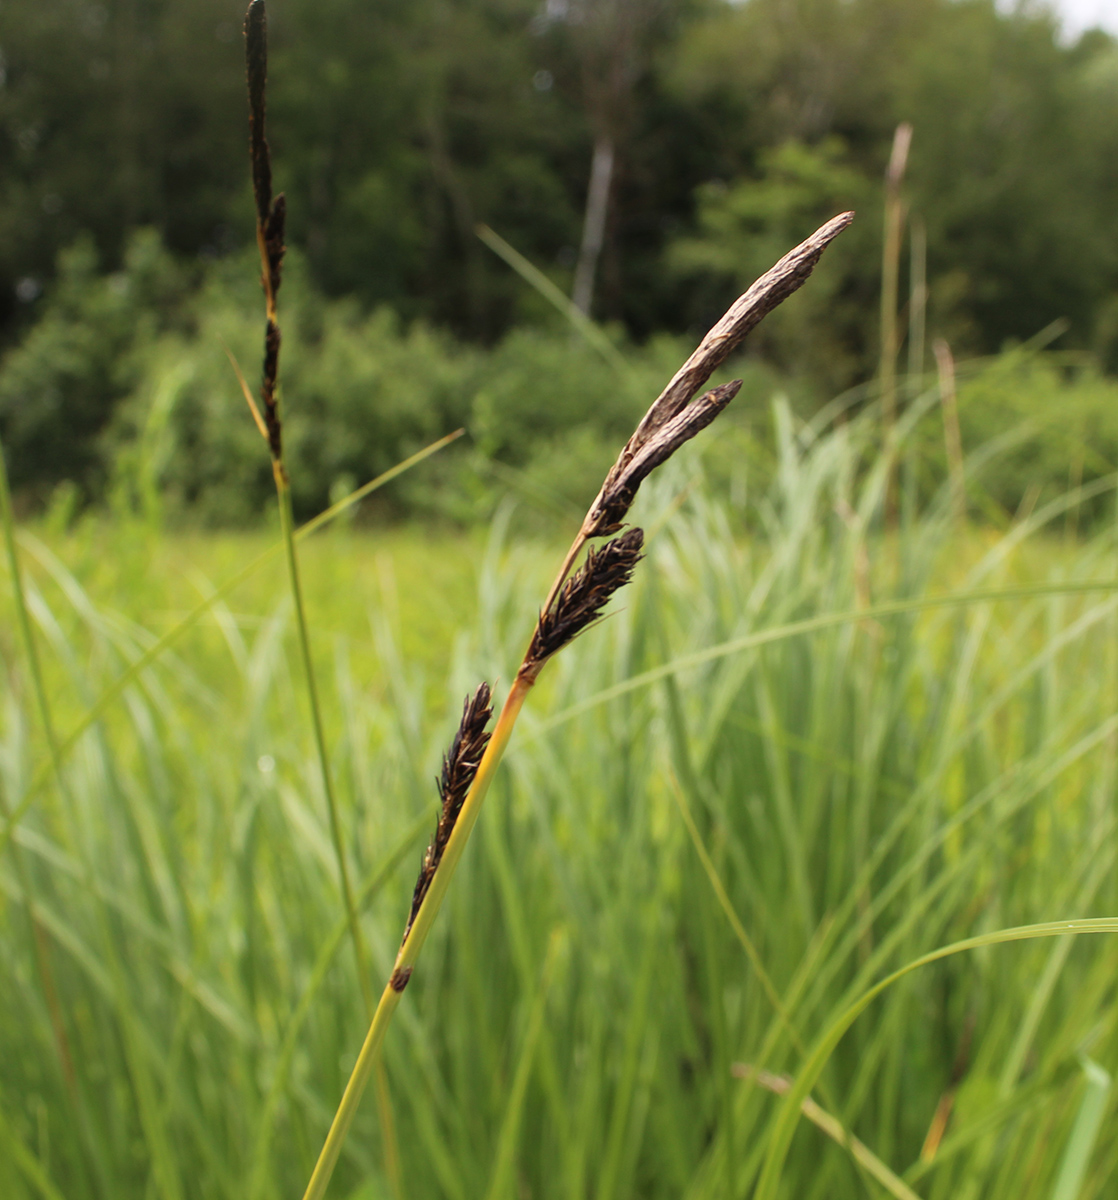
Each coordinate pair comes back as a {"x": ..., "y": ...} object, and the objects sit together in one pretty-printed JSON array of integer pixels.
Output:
[{"x": 287, "y": 523}]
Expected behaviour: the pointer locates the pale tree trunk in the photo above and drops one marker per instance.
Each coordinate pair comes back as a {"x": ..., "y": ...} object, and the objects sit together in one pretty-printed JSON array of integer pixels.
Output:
[{"x": 594, "y": 224}]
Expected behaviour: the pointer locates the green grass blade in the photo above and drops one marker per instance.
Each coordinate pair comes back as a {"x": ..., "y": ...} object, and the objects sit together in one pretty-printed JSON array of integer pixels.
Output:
[
  {"x": 793, "y": 629},
  {"x": 578, "y": 319},
  {"x": 1084, "y": 1133},
  {"x": 500, "y": 1183},
  {"x": 98, "y": 709},
  {"x": 781, "y": 1137}
]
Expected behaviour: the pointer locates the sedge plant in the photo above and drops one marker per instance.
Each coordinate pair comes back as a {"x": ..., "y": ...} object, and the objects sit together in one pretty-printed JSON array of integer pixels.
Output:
[
  {"x": 270, "y": 220},
  {"x": 270, "y": 217},
  {"x": 573, "y": 603}
]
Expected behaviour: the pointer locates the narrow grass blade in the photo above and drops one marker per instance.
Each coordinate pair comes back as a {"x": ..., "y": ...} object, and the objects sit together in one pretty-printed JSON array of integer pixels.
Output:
[
  {"x": 537, "y": 279},
  {"x": 500, "y": 1182},
  {"x": 781, "y": 1085},
  {"x": 153, "y": 653},
  {"x": 27, "y": 1162},
  {"x": 780, "y": 1138},
  {"x": 779, "y": 633},
  {"x": 1084, "y": 1133}
]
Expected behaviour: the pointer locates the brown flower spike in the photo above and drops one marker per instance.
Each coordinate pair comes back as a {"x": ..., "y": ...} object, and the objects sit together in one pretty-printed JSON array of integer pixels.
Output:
[
  {"x": 459, "y": 768},
  {"x": 582, "y": 598},
  {"x": 270, "y": 214}
]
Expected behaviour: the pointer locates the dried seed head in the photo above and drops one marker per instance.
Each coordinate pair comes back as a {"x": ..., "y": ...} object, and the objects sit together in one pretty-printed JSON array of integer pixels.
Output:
[
  {"x": 256, "y": 57},
  {"x": 620, "y": 489},
  {"x": 270, "y": 214},
  {"x": 743, "y": 315},
  {"x": 273, "y": 240},
  {"x": 583, "y": 597},
  {"x": 459, "y": 768},
  {"x": 268, "y": 389}
]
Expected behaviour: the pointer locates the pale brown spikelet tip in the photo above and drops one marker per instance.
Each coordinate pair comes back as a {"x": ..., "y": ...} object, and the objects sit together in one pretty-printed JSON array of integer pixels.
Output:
[
  {"x": 460, "y": 766},
  {"x": 721, "y": 340},
  {"x": 583, "y": 597}
]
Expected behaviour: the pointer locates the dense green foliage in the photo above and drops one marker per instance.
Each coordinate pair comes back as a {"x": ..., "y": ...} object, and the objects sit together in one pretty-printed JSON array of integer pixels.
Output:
[
  {"x": 125, "y": 217},
  {"x": 396, "y": 126},
  {"x": 123, "y": 391},
  {"x": 866, "y": 791}
]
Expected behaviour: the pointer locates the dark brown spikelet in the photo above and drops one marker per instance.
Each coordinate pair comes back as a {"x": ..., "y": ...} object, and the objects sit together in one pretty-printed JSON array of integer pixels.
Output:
[
  {"x": 270, "y": 214},
  {"x": 582, "y": 598},
  {"x": 256, "y": 57},
  {"x": 268, "y": 389},
  {"x": 459, "y": 768},
  {"x": 273, "y": 240}
]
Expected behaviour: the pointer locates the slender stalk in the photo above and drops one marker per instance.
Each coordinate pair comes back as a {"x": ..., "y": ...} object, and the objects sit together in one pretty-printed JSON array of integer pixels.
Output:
[
  {"x": 952, "y": 439},
  {"x": 918, "y": 297},
  {"x": 594, "y": 224},
  {"x": 283, "y": 491},
  {"x": 364, "y": 974},
  {"x": 270, "y": 220},
  {"x": 351, "y": 1098},
  {"x": 890, "y": 277},
  {"x": 590, "y": 331}
]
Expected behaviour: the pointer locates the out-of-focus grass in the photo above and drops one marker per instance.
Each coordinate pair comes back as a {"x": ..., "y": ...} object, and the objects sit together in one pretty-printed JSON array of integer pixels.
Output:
[
  {"x": 416, "y": 586},
  {"x": 864, "y": 788}
]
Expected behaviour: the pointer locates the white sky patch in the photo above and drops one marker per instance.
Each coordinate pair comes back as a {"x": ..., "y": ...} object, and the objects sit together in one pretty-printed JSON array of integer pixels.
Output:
[{"x": 1078, "y": 15}]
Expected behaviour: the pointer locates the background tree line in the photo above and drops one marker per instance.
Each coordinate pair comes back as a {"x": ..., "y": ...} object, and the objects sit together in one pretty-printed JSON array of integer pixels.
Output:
[{"x": 652, "y": 155}]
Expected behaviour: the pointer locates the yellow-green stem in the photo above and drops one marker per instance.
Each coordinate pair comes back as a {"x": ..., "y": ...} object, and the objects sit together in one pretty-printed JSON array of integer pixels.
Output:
[
  {"x": 364, "y": 975},
  {"x": 413, "y": 943},
  {"x": 287, "y": 523}
]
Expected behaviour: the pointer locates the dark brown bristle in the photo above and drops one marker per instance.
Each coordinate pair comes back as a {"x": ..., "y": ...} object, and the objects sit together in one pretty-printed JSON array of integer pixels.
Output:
[
  {"x": 256, "y": 59},
  {"x": 460, "y": 766},
  {"x": 583, "y": 597},
  {"x": 270, "y": 214},
  {"x": 268, "y": 389}
]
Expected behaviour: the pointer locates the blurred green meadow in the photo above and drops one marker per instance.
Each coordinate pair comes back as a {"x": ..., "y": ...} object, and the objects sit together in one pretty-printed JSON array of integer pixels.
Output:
[
  {"x": 800, "y": 753},
  {"x": 798, "y": 879}
]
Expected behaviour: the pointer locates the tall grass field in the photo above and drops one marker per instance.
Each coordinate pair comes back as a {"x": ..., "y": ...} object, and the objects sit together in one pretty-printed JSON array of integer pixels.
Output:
[{"x": 801, "y": 754}]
